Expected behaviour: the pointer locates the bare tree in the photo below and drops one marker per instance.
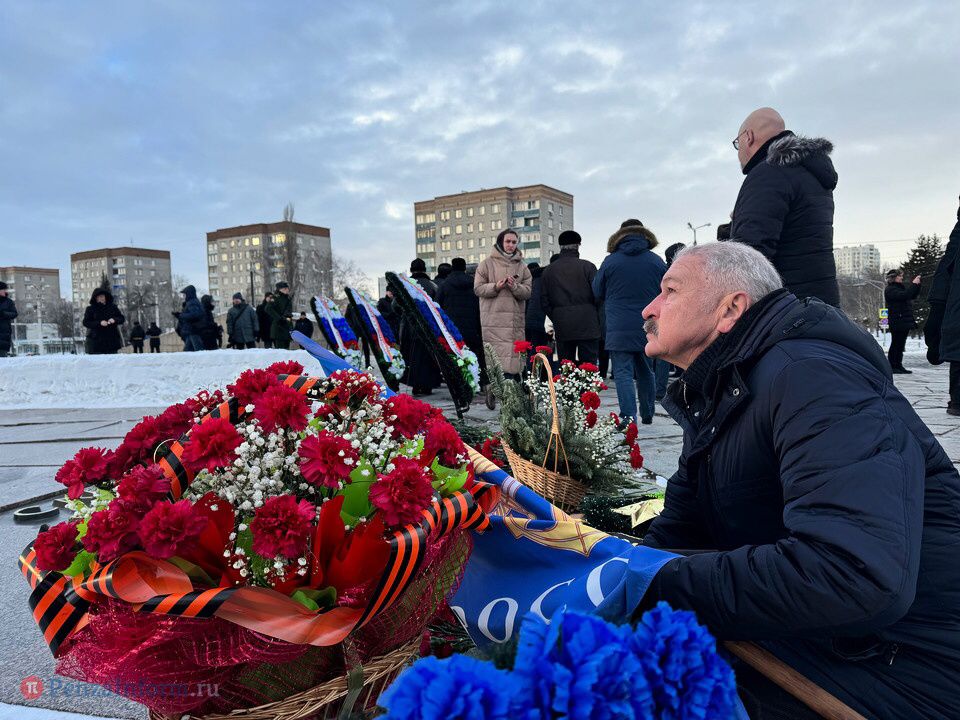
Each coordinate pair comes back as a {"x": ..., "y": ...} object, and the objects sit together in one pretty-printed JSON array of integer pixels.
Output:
[
  {"x": 347, "y": 273},
  {"x": 288, "y": 211},
  {"x": 61, "y": 314},
  {"x": 139, "y": 301}
]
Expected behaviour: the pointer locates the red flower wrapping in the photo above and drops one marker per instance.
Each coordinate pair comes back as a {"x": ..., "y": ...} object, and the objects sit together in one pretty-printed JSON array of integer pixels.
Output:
[
  {"x": 545, "y": 349},
  {"x": 411, "y": 415},
  {"x": 251, "y": 385},
  {"x": 89, "y": 465},
  {"x": 169, "y": 528},
  {"x": 327, "y": 459},
  {"x": 281, "y": 527},
  {"x": 522, "y": 346},
  {"x": 589, "y": 367},
  {"x": 590, "y": 400},
  {"x": 442, "y": 441},
  {"x": 632, "y": 433},
  {"x": 281, "y": 407},
  {"x": 403, "y": 493},
  {"x": 591, "y": 419},
  {"x": 111, "y": 532},
  {"x": 142, "y": 488},
  {"x": 286, "y": 367},
  {"x": 636, "y": 459},
  {"x": 212, "y": 444},
  {"x": 57, "y": 547}
]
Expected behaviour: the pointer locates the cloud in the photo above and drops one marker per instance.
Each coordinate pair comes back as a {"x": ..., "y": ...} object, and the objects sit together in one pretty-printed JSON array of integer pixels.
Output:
[
  {"x": 397, "y": 209},
  {"x": 378, "y": 116}
]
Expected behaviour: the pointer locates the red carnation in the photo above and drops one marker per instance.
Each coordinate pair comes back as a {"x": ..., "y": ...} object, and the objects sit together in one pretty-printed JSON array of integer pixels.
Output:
[
  {"x": 281, "y": 526},
  {"x": 522, "y": 346},
  {"x": 142, "y": 488},
  {"x": 632, "y": 433},
  {"x": 589, "y": 367},
  {"x": 203, "y": 402},
  {"x": 57, "y": 547},
  {"x": 567, "y": 364},
  {"x": 251, "y": 385},
  {"x": 545, "y": 349},
  {"x": 411, "y": 415},
  {"x": 174, "y": 421},
  {"x": 603, "y": 386},
  {"x": 286, "y": 367},
  {"x": 170, "y": 528},
  {"x": 281, "y": 407},
  {"x": 636, "y": 459},
  {"x": 212, "y": 444},
  {"x": 443, "y": 441},
  {"x": 111, "y": 532},
  {"x": 89, "y": 465},
  {"x": 590, "y": 400},
  {"x": 403, "y": 493},
  {"x": 591, "y": 419},
  {"x": 352, "y": 388},
  {"x": 327, "y": 459}
]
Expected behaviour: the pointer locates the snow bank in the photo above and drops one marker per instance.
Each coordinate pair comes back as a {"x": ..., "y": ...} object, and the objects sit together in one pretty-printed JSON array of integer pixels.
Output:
[{"x": 157, "y": 380}]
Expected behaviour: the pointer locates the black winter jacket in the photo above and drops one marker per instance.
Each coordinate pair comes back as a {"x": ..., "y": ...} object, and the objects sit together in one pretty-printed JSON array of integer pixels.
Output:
[
  {"x": 899, "y": 299},
  {"x": 566, "y": 296},
  {"x": 461, "y": 304},
  {"x": 535, "y": 317},
  {"x": 103, "y": 340},
  {"x": 191, "y": 317},
  {"x": 137, "y": 333},
  {"x": 942, "y": 328},
  {"x": 785, "y": 210},
  {"x": 303, "y": 325},
  {"x": 829, "y": 513},
  {"x": 8, "y": 311}
]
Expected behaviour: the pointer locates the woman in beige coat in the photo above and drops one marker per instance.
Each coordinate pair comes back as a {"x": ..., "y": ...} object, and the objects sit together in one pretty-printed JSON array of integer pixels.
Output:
[{"x": 503, "y": 284}]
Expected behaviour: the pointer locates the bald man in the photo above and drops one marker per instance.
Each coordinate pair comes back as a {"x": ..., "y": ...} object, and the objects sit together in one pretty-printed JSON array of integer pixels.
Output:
[{"x": 785, "y": 205}]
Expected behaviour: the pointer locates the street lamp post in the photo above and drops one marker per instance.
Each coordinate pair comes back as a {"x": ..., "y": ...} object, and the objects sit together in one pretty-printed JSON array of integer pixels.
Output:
[
  {"x": 694, "y": 229},
  {"x": 39, "y": 291}
]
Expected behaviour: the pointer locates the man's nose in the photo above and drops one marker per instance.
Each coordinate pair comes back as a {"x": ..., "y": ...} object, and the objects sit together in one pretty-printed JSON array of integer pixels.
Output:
[{"x": 651, "y": 310}]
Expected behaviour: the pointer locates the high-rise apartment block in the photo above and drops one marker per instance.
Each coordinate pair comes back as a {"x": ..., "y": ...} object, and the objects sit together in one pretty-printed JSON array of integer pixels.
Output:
[
  {"x": 251, "y": 259},
  {"x": 467, "y": 224},
  {"x": 128, "y": 271},
  {"x": 31, "y": 287},
  {"x": 857, "y": 259}
]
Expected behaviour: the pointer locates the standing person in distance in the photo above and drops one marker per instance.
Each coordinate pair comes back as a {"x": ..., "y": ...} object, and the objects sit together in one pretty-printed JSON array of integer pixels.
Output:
[
  {"x": 461, "y": 305},
  {"x": 137, "y": 334},
  {"x": 264, "y": 321},
  {"x": 942, "y": 329},
  {"x": 208, "y": 326},
  {"x": 103, "y": 320},
  {"x": 535, "y": 316},
  {"x": 422, "y": 373},
  {"x": 443, "y": 272},
  {"x": 899, "y": 299},
  {"x": 8, "y": 311},
  {"x": 190, "y": 320},
  {"x": 566, "y": 296},
  {"x": 242, "y": 324},
  {"x": 304, "y": 325},
  {"x": 503, "y": 283},
  {"x": 154, "y": 332},
  {"x": 280, "y": 311}
]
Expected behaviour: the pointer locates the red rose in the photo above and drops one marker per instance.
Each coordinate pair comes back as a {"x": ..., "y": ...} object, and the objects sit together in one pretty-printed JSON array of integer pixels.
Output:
[
  {"x": 591, "y": 419},
  {"x": 632, "y": 433},
  {"x": 57, "y": 547},
  {"x": 443, "y": 441},
  {"x": 212, "y": 444},
  {"x": 327, "y": 459},
  {"x": 403, "y": 493},
  {"x": 286, "y": 367},
  {"x": 251, "y": 385},
  {"x": 407, "y": 416},
  {"x": 170, "y": 528},
  {"x": 281, "y": 527},
  {"x": 522, "y": 346},
  {"x": 589, "y": 367},
  {"x": 545, "y": 349},
  {"x": 142, "y": 488},
  {"x": 89, "y": 465},
  {"x": 111, "y": 532},
  {"x": 590, "y": 400},
  {"x": 281, "y": 407},
  {"x": 636, "y": 459}
]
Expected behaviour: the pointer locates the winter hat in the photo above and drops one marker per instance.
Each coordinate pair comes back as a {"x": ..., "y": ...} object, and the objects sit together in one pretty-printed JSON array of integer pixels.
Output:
[
  {"x": 569, "y": 237},
  {"x": 458, "y": 264},
  {"x": 892, "y": 274},
  {"x": 671, "y": 252},
  {"x": 282, "y": 284},
  {"x": 238, "y": 296},
  {"x": 418, "y": 265},
  {"x": 3, "y": 285},
  {"x": 631, "y": 227},
  {"x": 632, "y": 222}
]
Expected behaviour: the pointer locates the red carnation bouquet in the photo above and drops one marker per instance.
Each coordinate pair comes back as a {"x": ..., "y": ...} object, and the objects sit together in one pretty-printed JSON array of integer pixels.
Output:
[{"x": 260, "y": 542}]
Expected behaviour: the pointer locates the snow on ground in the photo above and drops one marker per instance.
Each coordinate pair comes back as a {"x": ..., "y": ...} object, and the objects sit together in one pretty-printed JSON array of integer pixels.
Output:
[
  {"x": 914, "y": 346},
  {"x": 147, "y": 380}
]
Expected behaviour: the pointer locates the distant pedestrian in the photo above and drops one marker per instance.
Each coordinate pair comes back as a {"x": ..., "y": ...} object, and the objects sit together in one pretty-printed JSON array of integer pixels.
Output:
[
  {"x": 785, "y": 206},
  {"x": 899, "y": 299},
  {"x": 566, "y": 296},
  {"x": 535, "y": 316},
  {"x": 264, "y": 321},
  {"x": 942, "y": 329},
  {"x": 154, "y": 332},
  {"x": 280, "y": 311},
  {"x": 443, "y": 272},
  {"x": 209, "y": 334},
  {"x": 103, "y": 320},
  {"x": 242, "y": 324},
  {"x": 422, "y": 373},
  {"x": 503, "y": 283},
  {"x": 137, "y": 334},
  {"x": 190, "y": 320},
  {"x": 8, "y": 311},
  {"x": 304, "y": 325},
  {"x": 628, "y": 280},
  {"x": 462, "y": 306}
]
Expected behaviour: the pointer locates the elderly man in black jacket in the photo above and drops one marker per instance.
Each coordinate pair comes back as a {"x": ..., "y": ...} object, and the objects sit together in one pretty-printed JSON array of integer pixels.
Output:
[
  {"x": 785, "y": 205},
  {"x": 8, "y": 312},
  {"x": 566, "y": 296},
  {"x": 824, "y": 514}
]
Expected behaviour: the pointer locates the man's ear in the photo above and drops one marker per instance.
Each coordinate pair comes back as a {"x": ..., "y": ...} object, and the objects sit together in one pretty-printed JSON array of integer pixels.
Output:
[{"x": 732, "y": 309}]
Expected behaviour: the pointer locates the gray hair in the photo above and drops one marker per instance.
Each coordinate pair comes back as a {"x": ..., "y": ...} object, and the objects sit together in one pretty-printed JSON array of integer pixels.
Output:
[{"x": 731, "y": 266}]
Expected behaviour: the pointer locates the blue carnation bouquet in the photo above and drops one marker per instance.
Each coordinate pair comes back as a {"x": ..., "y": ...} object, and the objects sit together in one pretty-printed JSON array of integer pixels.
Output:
[{"x": 579, "y": 666}]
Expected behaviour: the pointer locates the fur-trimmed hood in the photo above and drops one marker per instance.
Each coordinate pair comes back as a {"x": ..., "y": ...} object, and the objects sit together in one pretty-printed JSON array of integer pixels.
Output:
[
  {"x": 812, "y": 153},
  {"x": 623, "y": 232}
]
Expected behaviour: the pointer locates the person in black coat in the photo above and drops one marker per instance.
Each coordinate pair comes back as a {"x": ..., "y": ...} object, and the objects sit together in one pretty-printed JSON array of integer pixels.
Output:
[
  {"x": 103, "y": 320},
  {"x": 822, "y": 515},
  {"x": 422, "y": 373},
  {"x": 264, "y": 321},
  {"x": 210, "y": 332},
  {"x": 785, "y": 205},
  {"x": 390, "y": 311},
  {"x": 462, "y": 305},
  {"x": 443, "y": 272},
  {"x": 899, "y": 299},
  {"x": 303, "y": 325},
  {"x": 154, "y": 332},
  {"x": 941, "y": 331},
  {"x": 190, "y": 319},
  {"x": 566, "y": 296},
  {"x": 8, "y": 311},
  {"x": 535, "y": 316},
  {"x": 137, "y": 334}
]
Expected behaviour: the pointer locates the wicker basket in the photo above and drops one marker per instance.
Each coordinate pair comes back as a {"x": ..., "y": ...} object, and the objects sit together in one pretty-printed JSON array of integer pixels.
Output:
[
  {"x": 325, "y": 701},
  {"x": 559, "y": 488}
]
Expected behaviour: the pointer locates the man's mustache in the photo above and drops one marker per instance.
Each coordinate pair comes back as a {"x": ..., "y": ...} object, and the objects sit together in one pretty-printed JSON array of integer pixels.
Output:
[{"x": 650, "y": 327}]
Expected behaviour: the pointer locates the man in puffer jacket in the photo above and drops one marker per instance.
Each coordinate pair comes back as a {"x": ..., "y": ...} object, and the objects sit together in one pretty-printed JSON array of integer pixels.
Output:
[
  {"x": 190, "y": 320},
  {"x": 242, "y": 324},
  {"x": 785, "y": 205}
]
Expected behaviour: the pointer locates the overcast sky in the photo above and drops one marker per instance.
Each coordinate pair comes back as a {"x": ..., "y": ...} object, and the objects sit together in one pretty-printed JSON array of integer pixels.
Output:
[{"x": 153, "y": 123}]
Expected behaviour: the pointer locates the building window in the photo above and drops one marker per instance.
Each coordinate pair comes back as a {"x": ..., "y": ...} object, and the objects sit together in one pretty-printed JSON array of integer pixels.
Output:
[
  {"x": 483, "y": 209},
  {"x": 224, "y": 257},
  {"x": 458, "y": 214},
  {"x": 470, "y": 243},
  {"x": 445, "y": 231},
  {"x": 445, "y": 215},
  {"x": 560, "y": 210},
  {"x": 479, "y": 227},
  {"x": 459, "y": 244},
  {"x": 550, "y": 223},
  {"x": 483, "y": 242},
  {"x": 496, "y": 224},
  {"x": 255, "y": 241},
  {"x": 469, "y": 227},
  {"x": 469, "y": 212},
  {"x": 459, "y": 229},
  {"x": 495, "y": 208},
  {"x": 550, "y": 207}
]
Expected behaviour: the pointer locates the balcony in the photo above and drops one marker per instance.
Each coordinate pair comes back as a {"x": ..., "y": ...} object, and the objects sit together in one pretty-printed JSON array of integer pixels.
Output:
[
  {"x": 426, "y": 226},
  {"x": 528, "y": 228},
  {"x": 526, "y": 213}
]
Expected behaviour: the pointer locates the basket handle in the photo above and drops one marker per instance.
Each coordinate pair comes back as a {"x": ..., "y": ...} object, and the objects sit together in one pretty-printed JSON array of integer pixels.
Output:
[{"x": 555, "y": 442}]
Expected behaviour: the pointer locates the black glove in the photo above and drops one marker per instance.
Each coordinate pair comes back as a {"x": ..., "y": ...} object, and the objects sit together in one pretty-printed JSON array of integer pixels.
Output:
[{"x": 932, "y": 332}]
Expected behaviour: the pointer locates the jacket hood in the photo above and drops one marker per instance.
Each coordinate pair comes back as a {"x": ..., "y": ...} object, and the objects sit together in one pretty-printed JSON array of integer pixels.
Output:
[
  {"x": 631, "y": 230},
  {"x": 812, "y": 153},
  {"x": 207, "y": 301},
  {"x": 190, "y": 292},
  {"x": 536, "y": 272},
  {"x": 497, "y": 254},
  {"x": 101, "y": 291}
]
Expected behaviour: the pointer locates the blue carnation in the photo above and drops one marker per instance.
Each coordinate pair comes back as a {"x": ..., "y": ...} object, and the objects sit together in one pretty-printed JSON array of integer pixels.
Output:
[
  {"x": 581, "y": 667},
  {"x": 458, "y": 688},
  {"x": 689, "y": 679},
  {"x": 346, "y": 332}
]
